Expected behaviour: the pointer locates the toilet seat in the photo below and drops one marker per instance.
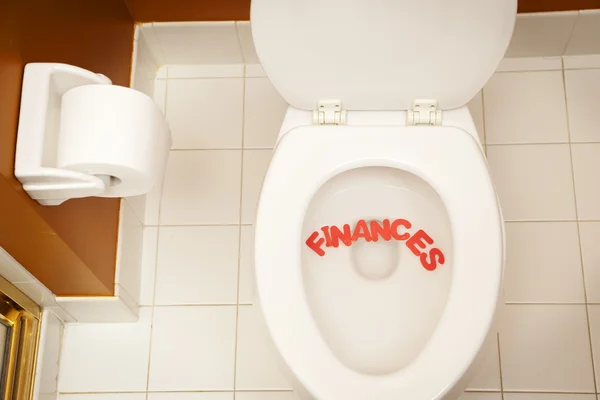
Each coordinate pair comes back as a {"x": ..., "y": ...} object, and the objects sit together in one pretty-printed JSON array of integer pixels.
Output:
[{"x": 304, "y": 159}]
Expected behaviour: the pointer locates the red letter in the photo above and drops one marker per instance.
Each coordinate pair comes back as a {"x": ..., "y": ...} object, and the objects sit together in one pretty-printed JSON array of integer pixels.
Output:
[
  {"x": 361, "y": 231},
  {"x": 395, "y": 226},
  {"x": 337, "y": 235},
  {"x": 315, "y": 245},
  {"x": 416, "y": 242},
  {"x": 325, "y": 230},
  {"x": 433, "y": 254},
  {"x": 384, "y": 231}
]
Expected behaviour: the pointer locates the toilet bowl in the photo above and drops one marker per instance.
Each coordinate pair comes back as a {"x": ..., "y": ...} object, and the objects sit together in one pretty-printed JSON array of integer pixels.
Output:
[{"x": 379, "y": 243}]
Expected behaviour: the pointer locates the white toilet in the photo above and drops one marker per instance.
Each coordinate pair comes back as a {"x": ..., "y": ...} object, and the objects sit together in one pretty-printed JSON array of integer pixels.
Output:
[{"x": 379, "y": 244}]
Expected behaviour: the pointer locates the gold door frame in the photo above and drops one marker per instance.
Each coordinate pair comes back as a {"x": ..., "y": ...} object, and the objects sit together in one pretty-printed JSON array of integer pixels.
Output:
[{"x": 22, "y": 317}]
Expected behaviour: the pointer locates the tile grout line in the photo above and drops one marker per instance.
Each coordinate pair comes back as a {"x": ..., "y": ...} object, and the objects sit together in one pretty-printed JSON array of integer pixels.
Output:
[
  {"x": 237, "y": 301},
  {"x": 156, "y": 259},
  {"x": 500, "y": 364},
  {"x": 585, "y": 296},
  {"x": 562, "y": 60}
]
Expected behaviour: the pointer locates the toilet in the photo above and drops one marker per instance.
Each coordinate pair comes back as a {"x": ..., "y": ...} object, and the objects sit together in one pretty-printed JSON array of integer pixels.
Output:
[{"x": 379, "y": 239}]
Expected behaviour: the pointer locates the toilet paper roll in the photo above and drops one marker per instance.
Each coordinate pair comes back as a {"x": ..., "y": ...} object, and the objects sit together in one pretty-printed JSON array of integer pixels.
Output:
[{"x": 115, "y": 133}]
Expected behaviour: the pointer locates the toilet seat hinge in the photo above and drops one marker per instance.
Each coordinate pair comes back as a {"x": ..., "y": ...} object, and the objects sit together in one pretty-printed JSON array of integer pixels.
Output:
[
  {"x": 424, "y": 112},
  {"x": 329, "y": 112}
]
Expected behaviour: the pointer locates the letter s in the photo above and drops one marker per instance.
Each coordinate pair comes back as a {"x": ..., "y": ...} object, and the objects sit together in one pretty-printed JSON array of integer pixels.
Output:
[{"x": 436, "y": 256}]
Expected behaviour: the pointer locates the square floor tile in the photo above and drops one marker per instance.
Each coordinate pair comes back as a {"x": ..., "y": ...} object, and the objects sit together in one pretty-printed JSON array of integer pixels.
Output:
[
  {"x": 205, "y": 113},
  {"x": 488, "y": 375},
  {"x": 543, "y": 263},
  {"x": 104, "y": 396},
  {"x": 548, "y": 396},
  {"x": 263, "y": 115},
  {"x": 256, "y": 163},
  {"x": 202, "y": 187},
  {"x": 525, "y": 107},
  {"x": 583, "y": 103},
  {"x": 246, "y": 290},
  {"x": 586, "y": 164},
  {"x": 534, "y": 182},
  {"x": 590, "y": 253},
  {"x": 256, "y": 366},
  {"x": 594, "y": 315},
  {"x": 266, "y": 396},
  {"x": 191, "y": 396},
  {"x": 197, "y": 265},
  {"x": 546, "y": 348},
  {"x": 476, "y": 109},
  {"x": 106, "y": 357},
  {"x": 150, "y": 241},
  {"x": 193, "y": 348},
  {"x": 480, "y": 396}
]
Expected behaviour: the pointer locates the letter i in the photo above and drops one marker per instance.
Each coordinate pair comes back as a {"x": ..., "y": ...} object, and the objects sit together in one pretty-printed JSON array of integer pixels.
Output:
[{"x": 327, "y": 234}]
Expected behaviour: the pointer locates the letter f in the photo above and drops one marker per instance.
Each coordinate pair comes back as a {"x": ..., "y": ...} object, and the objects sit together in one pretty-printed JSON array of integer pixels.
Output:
[{"x": 314, "y": 244}]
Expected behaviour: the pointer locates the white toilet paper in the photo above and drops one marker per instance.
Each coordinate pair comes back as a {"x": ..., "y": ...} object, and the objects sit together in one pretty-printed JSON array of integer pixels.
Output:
[{"x": 115, "y": 133}]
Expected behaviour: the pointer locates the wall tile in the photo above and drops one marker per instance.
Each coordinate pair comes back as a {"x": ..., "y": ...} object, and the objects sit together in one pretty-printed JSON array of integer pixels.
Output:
[
  {"x": 198, "y": 42},
  {"x": 534, "y": 182},
  {"x": 584, "y": 61},
  {"x": 488, "y": 376},
  {"x": 590, "y": 253},
  {"x": 586, "y": 164},
  {"x": 191, "y": 396},
  {"x": 263, "y": 115},
  {"x": 545, "y": 348},
  {"x": 246, "y": 290},
  {"x": 522, "y": 64},
  {"x": 110, "y": 357},
  {"x": 584, "y": 39},
  {"x": 256, "y": 163},
  {"x": 525, "y": 107},
  {"x": 256, "y": 366},
  {"x": 205, "y": 113},
  {"x": 534, "y": 273},
  {"x": 202, "y": 187},
  {"x": 197, "y": 265},
  {"x": 150, "y": 241},
  {"x": 246, "y": 42},
  {"x": 129, "y": 255},
  {"x": 266, "y": 396},
  {"x": 480, "y": 396},
  {"x": 548, "y": 396},
  {"x": 205, "y": 71},
  {"x": 594, "y": 315},
  {"x": 104, "y": 396},
  {"x": 541, "y": 34},
  {"x": 193, "y": 348},
  {"x": 476, "y": 109},
  {"x": 583, "y": 103},
  {"x": 49, "y": 348}
]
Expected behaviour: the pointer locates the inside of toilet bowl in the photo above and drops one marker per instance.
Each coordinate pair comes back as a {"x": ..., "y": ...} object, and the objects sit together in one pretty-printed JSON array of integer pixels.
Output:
[{"x": 377, "y": 266}]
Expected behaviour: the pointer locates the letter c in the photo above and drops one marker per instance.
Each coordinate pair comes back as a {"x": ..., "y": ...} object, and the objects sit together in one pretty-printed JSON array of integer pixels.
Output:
[{"x": 396, "y": 224}]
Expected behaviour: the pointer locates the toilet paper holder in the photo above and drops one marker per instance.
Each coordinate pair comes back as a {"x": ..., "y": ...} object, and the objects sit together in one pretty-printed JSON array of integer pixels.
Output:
[{"x": 44, "y": 85}]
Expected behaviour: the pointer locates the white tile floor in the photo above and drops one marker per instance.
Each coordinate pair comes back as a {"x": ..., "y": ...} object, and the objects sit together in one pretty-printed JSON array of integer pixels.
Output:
[{"x": 198, "y": 337}]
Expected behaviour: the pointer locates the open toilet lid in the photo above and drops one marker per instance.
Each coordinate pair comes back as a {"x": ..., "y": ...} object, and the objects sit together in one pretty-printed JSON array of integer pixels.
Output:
[{"x": 381, "y": 54}]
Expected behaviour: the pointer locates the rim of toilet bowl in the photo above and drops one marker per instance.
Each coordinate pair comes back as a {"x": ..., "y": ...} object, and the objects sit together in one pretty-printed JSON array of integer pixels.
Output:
[{"x": 286, "y": 194}]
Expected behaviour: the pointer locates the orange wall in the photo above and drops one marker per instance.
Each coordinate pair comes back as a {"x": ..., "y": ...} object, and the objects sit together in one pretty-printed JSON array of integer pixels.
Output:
[
  {"x": 229, "y": 10},
  {"x": 70, "y": 248}
]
